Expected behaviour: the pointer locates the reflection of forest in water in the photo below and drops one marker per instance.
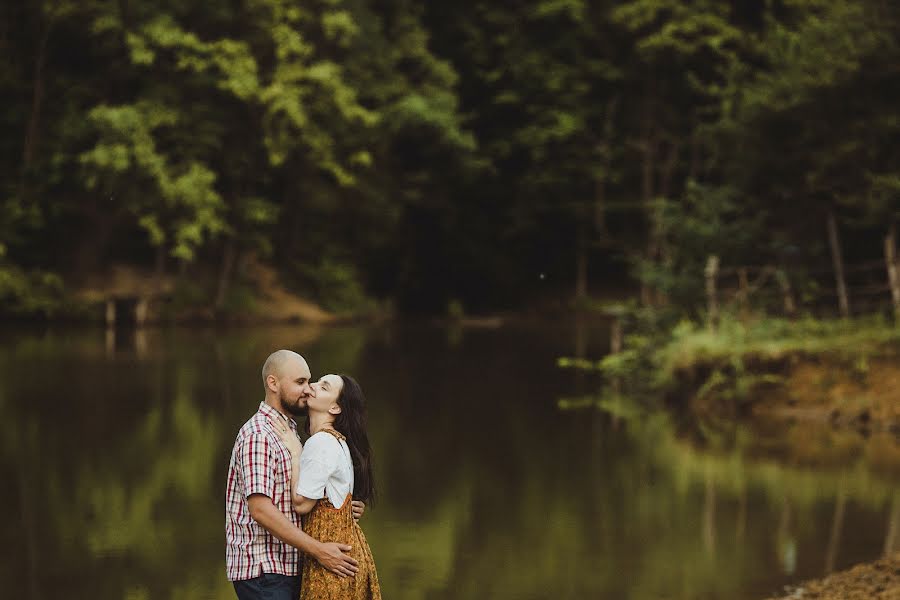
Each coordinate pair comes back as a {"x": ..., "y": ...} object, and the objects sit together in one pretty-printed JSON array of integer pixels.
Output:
[{"x": 117, "y": 451}]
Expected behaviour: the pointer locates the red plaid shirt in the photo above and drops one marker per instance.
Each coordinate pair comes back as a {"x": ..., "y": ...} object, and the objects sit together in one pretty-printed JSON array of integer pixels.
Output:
[{"x": 260, "y": 464}]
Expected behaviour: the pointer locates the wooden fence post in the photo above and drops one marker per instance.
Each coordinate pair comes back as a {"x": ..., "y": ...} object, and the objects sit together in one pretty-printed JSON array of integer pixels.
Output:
[
  {"x": 110, "y": 313},
  {"x": 890, "y": 258},
  {"x": 141, "y": 310},
  {"x": 581, "y": 256},
  {"x": 616, "y": 336},
  {"x": 790, "y": 307},
  {"x": 712, "y": 301},
  {"x": 743, "y": 293},
  {"x": 838, "y": 261}
]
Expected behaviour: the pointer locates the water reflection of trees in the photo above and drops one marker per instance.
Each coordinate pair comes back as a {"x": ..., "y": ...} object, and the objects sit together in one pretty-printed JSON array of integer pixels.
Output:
[
  {"x": 119, "y": 460},
  {"x": 652, "y": 513},
  {"x": 527, "y": 505},
  {"x": 804, "y": 487},
  {"x": 527, "y": 501}
]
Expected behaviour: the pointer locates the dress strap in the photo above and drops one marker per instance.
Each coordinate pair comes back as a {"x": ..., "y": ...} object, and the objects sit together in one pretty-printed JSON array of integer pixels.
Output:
[{"x": 335, "y": 433}]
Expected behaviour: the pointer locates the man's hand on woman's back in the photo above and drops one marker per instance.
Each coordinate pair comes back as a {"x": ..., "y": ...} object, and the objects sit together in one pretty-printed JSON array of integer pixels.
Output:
[
  {"x": 332, "y": 556},
  {"x": 358, "y": 507}
]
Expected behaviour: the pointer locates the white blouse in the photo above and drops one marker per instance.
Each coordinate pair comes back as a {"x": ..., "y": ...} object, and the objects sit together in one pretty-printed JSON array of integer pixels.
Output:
[{"x": 326, "y": 469}]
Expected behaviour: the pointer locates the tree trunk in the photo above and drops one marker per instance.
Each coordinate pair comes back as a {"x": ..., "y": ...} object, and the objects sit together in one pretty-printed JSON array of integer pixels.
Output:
[
  {"x": 581, "y": 250},
  {"x": 159, "y": 267},
  {"x": 599, "y": 204},
  {"x": 605, "y": 152},
  {"x": 664, "y": 252},
  {"x": 890, "y": 259},
  {"x": 694, "y": 162},
  {"x": 91, "y": 247},
  {"x": 712, "y": 300},
  {"x": 581, "y": 266},
  {"x": 600, "y": 207},
  {"x": 32, "y": 132},
  {"x": 668, "y": 170},
  {"x": 581, "y": 344},
  {"x": 616, "y": 336},
  {"x": 648, "y": 148},
  {"x": 837, "y": 260},
  {"x": 228, "y": 257}
]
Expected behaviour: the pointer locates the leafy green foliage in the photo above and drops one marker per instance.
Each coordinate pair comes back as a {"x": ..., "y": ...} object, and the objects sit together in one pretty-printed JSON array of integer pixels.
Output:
[
  {"x": 338, "y": 287},
  {"x": 31, "y": 293},
  {"x": 707, "y": 220},
  {"x": 455, "y": 151}
]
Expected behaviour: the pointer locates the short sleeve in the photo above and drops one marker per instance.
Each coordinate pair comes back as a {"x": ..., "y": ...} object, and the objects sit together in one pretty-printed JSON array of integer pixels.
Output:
[
  {"x": 319, "y": 461},
  {"x": 255, "y": 462}
]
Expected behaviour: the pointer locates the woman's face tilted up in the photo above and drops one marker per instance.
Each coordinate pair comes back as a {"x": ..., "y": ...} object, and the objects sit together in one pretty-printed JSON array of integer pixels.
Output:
[{"x": 325, "y": 396}]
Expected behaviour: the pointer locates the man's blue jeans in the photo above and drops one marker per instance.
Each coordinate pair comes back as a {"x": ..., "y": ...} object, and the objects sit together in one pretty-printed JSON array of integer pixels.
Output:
[{"x": 268, "y": 586}]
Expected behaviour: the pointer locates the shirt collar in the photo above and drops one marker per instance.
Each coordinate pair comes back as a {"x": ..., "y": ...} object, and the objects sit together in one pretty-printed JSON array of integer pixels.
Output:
[{"x": 273, "y": 415}]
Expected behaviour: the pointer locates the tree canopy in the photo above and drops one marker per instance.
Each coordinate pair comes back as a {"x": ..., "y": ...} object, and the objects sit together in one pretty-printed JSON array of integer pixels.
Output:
[{"x": 495, "y": 154}]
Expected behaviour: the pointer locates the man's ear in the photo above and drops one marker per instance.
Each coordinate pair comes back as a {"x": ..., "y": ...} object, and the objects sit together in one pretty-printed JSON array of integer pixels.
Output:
[
  {"x": 272, "y": 383},
  {"x": 335, "y": 409}
]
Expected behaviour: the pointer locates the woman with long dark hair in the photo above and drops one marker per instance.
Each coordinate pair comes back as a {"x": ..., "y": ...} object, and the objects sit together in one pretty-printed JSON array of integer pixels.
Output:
[{"x": 333, "y": 468}]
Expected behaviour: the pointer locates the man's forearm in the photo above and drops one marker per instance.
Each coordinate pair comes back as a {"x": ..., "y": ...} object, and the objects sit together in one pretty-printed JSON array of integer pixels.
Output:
[
  {"x": 330, "y": 555},
  {"x": 295, "y": 477},
  {"x": 274, "y": 521}
]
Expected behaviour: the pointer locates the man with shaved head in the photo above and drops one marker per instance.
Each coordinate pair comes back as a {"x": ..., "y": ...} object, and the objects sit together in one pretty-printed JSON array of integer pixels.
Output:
[{"x": 263, "y": 533}]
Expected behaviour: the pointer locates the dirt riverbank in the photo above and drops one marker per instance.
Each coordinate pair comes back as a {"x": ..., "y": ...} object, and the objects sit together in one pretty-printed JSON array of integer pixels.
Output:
[
  {"x": 878, "y": 580},
  {"x": 864, "y": 395},
  {"x": 267, "y": 299},
  {"x": 861, "y": 394}
]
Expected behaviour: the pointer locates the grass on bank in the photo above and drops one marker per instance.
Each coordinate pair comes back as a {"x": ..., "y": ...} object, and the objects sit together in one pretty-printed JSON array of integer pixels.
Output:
[
  {"x": 774, "y": 339},
  {"x": 653, "y": 360}
]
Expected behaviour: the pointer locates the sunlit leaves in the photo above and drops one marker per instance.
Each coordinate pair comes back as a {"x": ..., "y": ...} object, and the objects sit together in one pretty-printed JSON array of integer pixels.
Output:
[
  {"x": 574, "y": 8},
  {"x": 229, "y": 60},
  {"x": 126, "y": 140},
  {"x": 308, "y": 99},
  {"x": 126, "y": 154},
  {"x": 828, "y": 79},
  {"x": 29, "y": 292},
  {"x": 339, "y": 26},
  {"x": 436, "y": 111},
  {"x": 258, "y": 211},
  {"x": 289, "y": 43},
  {"x": 823, "y": 49},
  {"x": 640, "y": 14}
]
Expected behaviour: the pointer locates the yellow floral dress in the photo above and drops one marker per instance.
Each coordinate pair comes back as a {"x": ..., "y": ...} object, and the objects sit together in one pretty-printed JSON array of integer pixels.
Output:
[{"x": 329, "y": 524}]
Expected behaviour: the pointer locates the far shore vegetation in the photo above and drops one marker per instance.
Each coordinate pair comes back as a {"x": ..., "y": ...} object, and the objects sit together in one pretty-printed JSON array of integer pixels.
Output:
[
  {"x": 459, "y": 159},
  {"x": 839, "y": 370}
]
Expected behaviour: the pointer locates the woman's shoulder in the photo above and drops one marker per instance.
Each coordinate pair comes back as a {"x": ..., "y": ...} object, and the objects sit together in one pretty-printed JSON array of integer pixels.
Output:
[{"x": 321, "y": 441}]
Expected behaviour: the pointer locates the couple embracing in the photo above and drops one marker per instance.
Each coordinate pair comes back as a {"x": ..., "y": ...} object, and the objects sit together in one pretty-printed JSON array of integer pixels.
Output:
[{"x": 291, "y": 511}]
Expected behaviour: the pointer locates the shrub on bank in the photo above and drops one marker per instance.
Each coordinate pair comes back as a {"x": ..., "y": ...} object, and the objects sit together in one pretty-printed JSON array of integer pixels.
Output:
[{"x": 737, "y": 357}]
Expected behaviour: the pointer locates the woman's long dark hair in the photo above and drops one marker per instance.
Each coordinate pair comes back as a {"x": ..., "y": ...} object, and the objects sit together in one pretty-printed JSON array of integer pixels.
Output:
[{"x": 351, "y": 421}]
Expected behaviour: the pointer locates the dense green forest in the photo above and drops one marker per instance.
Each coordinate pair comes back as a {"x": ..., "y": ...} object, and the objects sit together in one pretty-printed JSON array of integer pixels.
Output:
[{"x": 490, "y": 154}]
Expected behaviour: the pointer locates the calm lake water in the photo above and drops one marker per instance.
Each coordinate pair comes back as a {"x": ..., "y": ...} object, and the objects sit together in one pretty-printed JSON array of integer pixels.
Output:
[{"x": 494, "y": 483}]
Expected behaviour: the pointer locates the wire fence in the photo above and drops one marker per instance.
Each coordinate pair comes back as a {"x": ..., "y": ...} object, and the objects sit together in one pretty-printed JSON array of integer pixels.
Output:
[{"x": 848, "y": 290}]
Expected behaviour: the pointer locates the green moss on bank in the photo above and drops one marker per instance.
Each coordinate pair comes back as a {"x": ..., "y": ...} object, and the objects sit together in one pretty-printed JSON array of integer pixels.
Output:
[
  {"x": 774, "y": 340},
  {"x": 842, "y": 370}
]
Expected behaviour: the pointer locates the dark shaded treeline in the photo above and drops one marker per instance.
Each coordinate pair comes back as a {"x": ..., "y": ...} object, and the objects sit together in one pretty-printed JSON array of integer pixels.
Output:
[{"x": 490, "y": 153}]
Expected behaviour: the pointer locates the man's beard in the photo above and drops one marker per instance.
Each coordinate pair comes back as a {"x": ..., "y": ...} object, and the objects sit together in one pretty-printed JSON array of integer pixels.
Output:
[{"x": 296, "y": 408}]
